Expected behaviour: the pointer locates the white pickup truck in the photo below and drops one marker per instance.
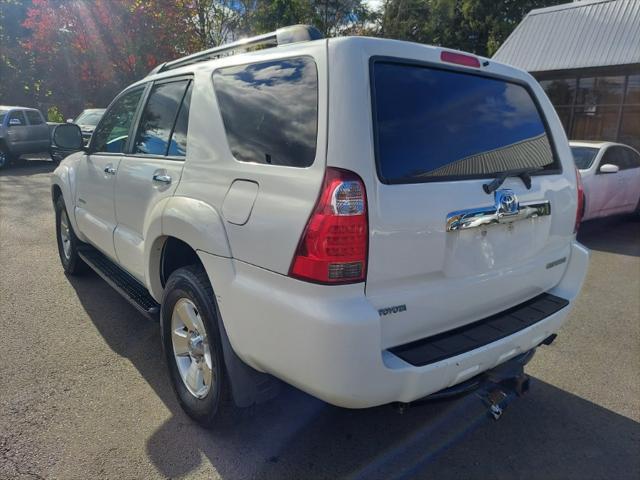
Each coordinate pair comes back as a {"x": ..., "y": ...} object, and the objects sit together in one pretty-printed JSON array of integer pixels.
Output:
[{"x": 371, "y": 221}]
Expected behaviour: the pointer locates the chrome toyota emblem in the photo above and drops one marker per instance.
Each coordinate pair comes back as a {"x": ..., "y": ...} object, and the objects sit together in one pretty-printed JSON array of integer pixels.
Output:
[{"x": 506, "y": 202}]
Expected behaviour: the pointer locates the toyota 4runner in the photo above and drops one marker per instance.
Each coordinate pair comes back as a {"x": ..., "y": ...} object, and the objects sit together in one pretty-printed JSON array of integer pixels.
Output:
[{"x": 371, "y": 221}]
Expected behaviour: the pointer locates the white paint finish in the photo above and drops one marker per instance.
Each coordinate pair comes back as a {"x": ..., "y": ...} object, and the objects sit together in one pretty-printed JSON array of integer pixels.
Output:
[
  {"x": 65, "y": 177},
  {"x": 608, "y": 193},
  {"x": 239, "y": 201},
  {"x": 95, "y": 209},
  {"x": 327, "y": 340},
  {"x": 196, "y": 223},
  {"x": 286, "y": 194},
  {"x": 136, "y": 195},
  {"x": 446, "y": 279},
  {"x": 330, "y": 340}
]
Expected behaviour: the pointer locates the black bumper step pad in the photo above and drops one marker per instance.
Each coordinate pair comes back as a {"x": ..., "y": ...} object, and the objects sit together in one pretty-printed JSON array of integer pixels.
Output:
[
  {"x": 483, "y": 332},
  {"x": 121, "y": 281}
]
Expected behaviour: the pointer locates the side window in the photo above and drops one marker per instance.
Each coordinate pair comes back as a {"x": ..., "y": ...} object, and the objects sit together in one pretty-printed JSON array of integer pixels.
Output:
[
  {"x": 270, "y": 110},
  {"x": 159, "y": 116},
  {"x": 633, "y": 158},
  {"x": 34, "y": 117},
  {"x": 614, "y": 156},
  {"x": 178, "y": 143},
  {"x": 113, "y": 131},
  {"x": 16, "y": 119}
]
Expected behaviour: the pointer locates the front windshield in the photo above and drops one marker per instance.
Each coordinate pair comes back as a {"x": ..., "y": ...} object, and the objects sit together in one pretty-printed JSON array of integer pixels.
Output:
[
  {"x": 584, "y": 156},
  {"x": 89, "y": 118},
  {"x": 3, "y": 113}
]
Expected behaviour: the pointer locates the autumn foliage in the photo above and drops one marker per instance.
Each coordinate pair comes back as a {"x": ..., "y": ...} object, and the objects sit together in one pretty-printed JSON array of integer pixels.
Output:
[{"x": 91, "y": 49}]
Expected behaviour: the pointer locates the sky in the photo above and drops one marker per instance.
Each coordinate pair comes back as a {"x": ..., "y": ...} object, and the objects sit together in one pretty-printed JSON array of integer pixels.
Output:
[{"x": 374, "y": 4}]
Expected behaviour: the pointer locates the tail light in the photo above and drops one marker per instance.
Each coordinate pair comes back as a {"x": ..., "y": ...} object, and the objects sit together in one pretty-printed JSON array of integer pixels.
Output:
[
  {"x": 580, "y": 209},
  {"x": 333, "y": 247}
]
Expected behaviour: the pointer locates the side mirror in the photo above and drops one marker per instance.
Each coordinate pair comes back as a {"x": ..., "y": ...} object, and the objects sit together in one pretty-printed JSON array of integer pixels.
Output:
[
  {"x": 609, "y": 168},
  {"x": 69, "y": 120},
  {"x": 68, "y": 136},
  {"x": 14, "y": 122}
]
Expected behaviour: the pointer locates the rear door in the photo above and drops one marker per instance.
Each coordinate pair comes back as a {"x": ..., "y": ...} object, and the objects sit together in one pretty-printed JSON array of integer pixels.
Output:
[
  {"x": 38, "y": 132},
  {"x": 441, "y": 248},
  {"x": 153, "y": 167}
]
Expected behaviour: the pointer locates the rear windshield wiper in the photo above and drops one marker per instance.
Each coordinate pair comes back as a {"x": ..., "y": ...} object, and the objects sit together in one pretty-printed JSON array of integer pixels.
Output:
[{"x": 523, "y": 174}]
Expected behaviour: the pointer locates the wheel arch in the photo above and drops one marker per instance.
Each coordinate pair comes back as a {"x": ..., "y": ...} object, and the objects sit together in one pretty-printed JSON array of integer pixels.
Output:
[
  {"x": 61, "y": 186},
  {"x": 175, "y": 231}
]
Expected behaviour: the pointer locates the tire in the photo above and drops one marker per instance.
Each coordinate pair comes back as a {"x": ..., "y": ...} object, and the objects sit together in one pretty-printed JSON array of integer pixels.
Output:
[
  {"x": 5, "y": 157},
  {"x": 67, "y": 241},
  {"x": 188, "y": 307},
  {"x": 54, "y": 159}
]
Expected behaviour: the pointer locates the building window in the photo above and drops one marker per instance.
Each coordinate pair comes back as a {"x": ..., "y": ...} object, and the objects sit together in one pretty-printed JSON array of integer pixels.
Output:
[{"x": 598, "y": 107}]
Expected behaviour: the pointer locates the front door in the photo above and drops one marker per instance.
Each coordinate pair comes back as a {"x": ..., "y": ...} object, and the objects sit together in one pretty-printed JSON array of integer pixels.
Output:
[
  {"x": 17, "y": 132},
  {"x": 609, "y": 192},
  {"x": 95, "y": 209},
  {"x": 631, "y": 179},
  {"x": 152, "y": 170}
]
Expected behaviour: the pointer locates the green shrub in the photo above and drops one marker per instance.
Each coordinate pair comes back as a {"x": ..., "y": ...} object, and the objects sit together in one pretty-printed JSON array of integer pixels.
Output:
[{"x": 54, "y": 115}]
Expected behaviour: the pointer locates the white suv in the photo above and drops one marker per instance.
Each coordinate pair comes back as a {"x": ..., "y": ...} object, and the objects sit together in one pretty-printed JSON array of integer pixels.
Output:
[{"x": 369, "y": 220}]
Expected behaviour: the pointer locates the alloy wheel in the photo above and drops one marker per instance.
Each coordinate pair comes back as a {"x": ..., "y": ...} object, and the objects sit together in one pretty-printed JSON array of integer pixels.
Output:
[
  {"x": 191, "y": 349},
  {"x": 65, "y": 234}
]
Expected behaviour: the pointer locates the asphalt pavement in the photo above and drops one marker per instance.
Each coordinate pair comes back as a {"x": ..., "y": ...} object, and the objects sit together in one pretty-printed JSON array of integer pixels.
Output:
[{"x": 84, "y": 391}]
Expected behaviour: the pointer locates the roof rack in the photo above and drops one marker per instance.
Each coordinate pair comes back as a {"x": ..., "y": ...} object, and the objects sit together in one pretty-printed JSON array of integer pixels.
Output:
[{"x": 282, "y": 36}]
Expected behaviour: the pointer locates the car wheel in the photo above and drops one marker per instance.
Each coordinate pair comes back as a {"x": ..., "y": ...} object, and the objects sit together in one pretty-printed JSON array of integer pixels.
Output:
[
  {"x": 5, "y": 157},
  {"x": 192, "y": 346},
  {"x": 68, "y": 243},
  {"x": 53, "y": 157}
]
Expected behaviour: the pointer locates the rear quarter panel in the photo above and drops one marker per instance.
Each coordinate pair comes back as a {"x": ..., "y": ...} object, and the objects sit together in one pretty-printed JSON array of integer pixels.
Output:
[{"x": 285, "y": 195}]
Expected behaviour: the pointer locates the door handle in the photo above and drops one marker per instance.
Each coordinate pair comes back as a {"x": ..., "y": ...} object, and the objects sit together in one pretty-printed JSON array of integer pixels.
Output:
[
  {"x": 161, "y": 178},
  {"x": 110, "y": 170}
]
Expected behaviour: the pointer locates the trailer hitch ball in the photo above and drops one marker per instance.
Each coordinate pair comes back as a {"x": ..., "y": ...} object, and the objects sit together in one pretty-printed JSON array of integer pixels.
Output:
[
  {"x": 496, "y": 411},
  {"x": 495, "y": 399}
]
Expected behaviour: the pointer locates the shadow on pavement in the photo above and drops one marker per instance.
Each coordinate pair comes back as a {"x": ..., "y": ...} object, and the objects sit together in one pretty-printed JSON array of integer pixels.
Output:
[
  {"x": 28, "y": 166},
  {"x": 549, "y": 433},
  {"x": 620, "y": 234}
]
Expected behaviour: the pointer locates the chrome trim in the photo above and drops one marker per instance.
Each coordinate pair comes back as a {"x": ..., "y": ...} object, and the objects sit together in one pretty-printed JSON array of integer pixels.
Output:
[
  {"x": 160, "y": 178},
  {"x": 494, "y": 215}
]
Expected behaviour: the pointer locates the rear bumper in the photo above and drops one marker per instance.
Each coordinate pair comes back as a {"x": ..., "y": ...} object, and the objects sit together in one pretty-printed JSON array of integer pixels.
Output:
[{"x": 326, "y": 340}]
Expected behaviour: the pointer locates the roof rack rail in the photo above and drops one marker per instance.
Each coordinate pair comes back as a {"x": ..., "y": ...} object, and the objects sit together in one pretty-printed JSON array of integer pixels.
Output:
[{"x": 282, "y": 36}]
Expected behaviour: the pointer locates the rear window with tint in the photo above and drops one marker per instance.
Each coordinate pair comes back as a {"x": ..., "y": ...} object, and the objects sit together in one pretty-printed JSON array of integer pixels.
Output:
[
  {"x": 34, "y": 117},
  {"x": 270, "y": 110},
  {"x": 434, "y": 124}
]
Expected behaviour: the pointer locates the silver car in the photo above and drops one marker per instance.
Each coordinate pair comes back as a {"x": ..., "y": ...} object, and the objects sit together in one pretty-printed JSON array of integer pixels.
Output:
[
  {"x": 87, "y": 121},
  {"x": 22, "y": 130}
]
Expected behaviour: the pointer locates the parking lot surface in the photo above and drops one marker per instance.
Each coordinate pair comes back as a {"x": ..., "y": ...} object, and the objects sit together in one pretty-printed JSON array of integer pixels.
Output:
[{"x": 84, "y": 392}]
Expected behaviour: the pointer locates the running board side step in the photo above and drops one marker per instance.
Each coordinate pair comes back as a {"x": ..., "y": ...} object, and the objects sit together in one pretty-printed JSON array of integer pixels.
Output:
[{"x": 121, "y": 281}]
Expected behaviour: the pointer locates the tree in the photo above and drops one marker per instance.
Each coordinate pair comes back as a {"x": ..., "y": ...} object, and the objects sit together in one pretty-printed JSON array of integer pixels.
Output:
[
  {"x": 19, "y": 84},
  {"x": 86, "y": 52},
  {"x": 331, "y": 17},
  {"x": 478, "y": 26}
]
